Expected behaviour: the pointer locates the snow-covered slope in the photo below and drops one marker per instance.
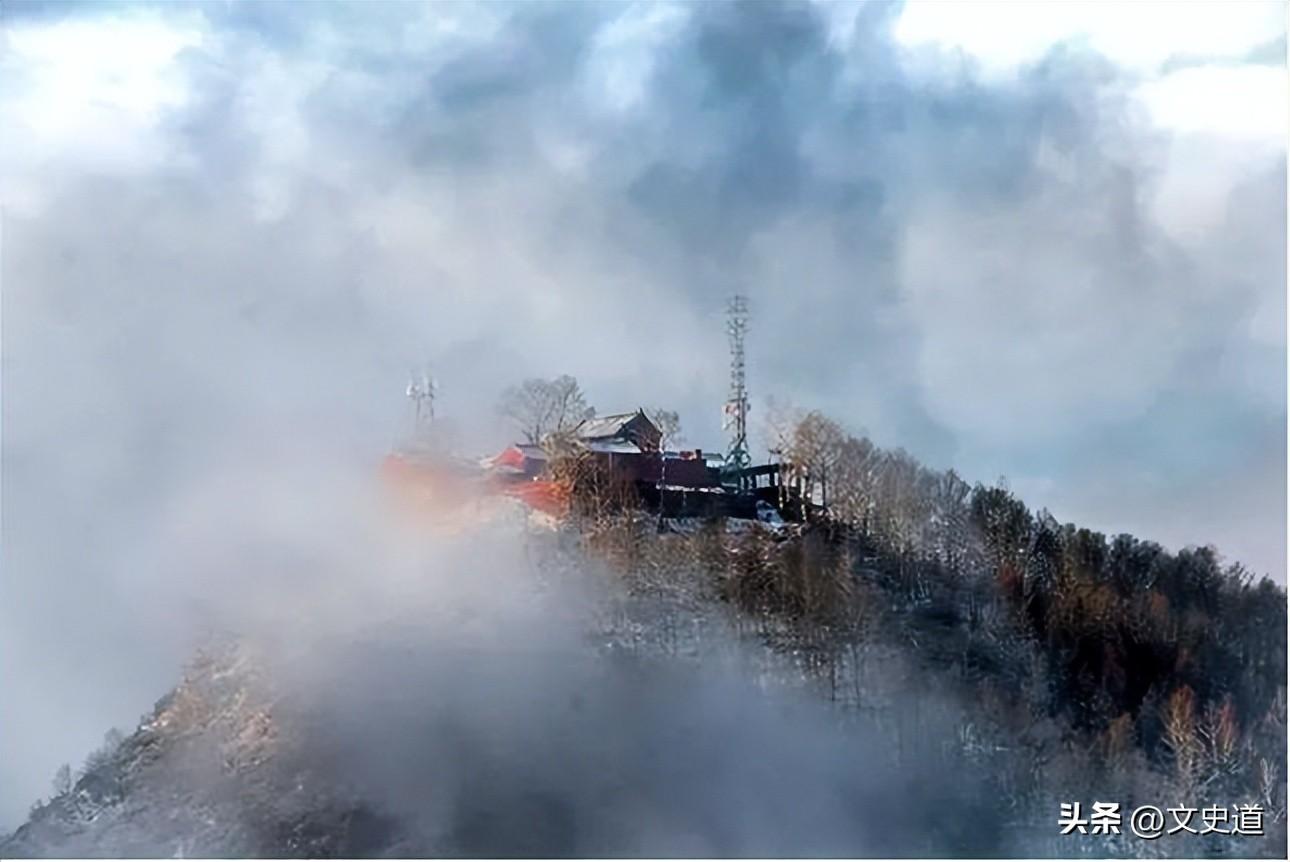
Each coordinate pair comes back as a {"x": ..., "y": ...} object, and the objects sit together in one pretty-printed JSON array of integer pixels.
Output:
[{"x": 208, "y": 773}]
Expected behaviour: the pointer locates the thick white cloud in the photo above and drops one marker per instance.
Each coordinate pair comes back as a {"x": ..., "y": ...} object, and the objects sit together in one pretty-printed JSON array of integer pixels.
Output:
[
  {"x": 1137, "y": 36},
  {"x": 1246, "y": 102},
  {"x": 88, "y": 95},
  {"x": 227, "y": 224}
]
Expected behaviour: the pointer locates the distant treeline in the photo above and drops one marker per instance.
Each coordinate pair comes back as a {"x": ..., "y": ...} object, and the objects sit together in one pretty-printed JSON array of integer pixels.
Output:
[
  {"x": 1121, "y": 622},
  {"x": 1159, "y": 674}
]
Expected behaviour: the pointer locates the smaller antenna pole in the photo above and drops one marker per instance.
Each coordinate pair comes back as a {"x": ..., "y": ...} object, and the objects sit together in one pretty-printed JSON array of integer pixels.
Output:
[
  {"x": 431, "y": 388},
  {"x": 422, "y": 393}
]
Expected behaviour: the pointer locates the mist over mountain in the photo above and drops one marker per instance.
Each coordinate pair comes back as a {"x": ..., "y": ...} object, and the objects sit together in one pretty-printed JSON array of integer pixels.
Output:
[
  {"x": 487, "y": 682},
  {"x": 513, "y": 701},
  {"x": 231, "y": 230}
]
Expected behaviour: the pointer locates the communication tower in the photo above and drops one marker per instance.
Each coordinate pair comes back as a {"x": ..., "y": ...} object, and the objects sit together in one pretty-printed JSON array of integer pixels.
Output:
[
  {"x": 735, "y": 419},
  {"x": 421, "y": 392}
]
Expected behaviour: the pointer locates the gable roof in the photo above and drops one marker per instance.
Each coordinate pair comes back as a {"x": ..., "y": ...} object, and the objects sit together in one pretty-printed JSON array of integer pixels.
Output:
[{"x": 613, "y": 425}]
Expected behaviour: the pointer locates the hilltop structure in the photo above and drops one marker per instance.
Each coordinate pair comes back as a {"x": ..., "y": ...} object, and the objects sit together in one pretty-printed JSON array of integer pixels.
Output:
[
  {"x": 619, "y": 432},
  {"x": 626, "y": 456},
  {"x": 625, "y": 452}
]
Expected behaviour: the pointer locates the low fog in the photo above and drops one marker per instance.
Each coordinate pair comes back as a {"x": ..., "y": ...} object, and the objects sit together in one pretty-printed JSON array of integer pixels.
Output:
[
  {"x": 460, "y": 681},
  {"x": 230, "y": 230}
]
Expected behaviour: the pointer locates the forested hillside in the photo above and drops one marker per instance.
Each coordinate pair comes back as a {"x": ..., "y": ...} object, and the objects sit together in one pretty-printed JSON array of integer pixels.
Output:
[
  {"x": 927, "y": 667},
  {"x": 1100, "y": 667}
]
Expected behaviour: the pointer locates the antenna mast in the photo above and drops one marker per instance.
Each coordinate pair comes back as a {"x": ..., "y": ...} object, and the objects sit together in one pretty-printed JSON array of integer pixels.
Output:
[
  {"x": 422, "y": 393},
  {"x": 736, "y": 410}
]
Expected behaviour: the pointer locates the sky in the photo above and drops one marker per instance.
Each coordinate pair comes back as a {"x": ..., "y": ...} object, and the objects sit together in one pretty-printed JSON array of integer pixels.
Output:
[{"x": 1038, "y": 241}]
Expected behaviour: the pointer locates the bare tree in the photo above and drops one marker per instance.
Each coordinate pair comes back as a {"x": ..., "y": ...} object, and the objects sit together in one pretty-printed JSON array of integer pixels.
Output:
[
  {"x": 63, "y": 780},
  {"x": 905, "y": 491},
  {"x": 1178, "y": 717},
  {"x": 949, "y": 533},
  {"x": 102, "y": 756},
  {"x": 668, "y": 423},
  {"x": 544, "y": 407},
  {"x": 781, "y": 418},
  {"x": 813, "y": 448},
  {"x": 855, "y": 482}
]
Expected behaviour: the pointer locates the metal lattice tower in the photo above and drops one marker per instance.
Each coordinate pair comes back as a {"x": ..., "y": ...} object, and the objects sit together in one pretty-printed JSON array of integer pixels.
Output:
[
  {"x": 736, "y": 410},
  {"x": 422, "y": 393}
]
